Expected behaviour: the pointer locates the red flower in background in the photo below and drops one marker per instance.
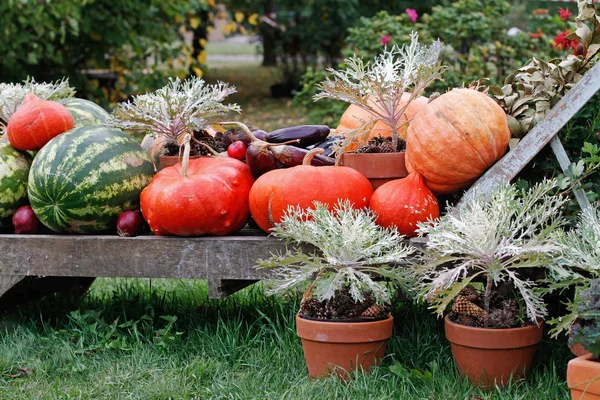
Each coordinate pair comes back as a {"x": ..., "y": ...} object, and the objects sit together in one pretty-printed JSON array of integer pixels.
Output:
[
  {"x": 385, "y": 40},
  {"x": 565, "y": 14},
  {"x": 412, "y": 14},
  {"x": 536, "y": 35},
  {"x": 561, "y": 41}
]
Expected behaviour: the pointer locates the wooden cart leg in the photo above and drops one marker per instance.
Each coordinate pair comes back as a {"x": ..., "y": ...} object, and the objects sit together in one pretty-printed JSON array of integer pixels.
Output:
[
  {"x": 19, "y": 289},
  {"x": 221, "y": 288}
]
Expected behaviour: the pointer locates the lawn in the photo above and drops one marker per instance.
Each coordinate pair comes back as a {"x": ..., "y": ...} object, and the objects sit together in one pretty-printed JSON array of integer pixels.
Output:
[{"x": 161, "y": 339}]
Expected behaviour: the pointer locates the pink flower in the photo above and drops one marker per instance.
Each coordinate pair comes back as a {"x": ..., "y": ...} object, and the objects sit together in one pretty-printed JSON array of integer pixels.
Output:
[
  {"x": 412, "y": 14},
  {"x": 385, "y": 40},
  {"x": 565, "y": 14}
]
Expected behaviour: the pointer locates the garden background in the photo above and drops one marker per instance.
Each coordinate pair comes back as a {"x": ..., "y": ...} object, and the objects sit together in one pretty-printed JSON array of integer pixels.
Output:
[{"x": 162, "y": 339}]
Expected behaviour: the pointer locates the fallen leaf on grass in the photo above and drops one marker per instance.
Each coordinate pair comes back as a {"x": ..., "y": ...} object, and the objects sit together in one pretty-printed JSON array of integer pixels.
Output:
[{"x": 22, "y": 372}]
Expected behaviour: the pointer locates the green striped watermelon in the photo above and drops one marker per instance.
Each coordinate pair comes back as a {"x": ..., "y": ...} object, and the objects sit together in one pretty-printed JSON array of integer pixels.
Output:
[
  {"x": 14, "y": 169},
  {"x": 84, "y": 112},
  {"x": 83, "y": 179}
]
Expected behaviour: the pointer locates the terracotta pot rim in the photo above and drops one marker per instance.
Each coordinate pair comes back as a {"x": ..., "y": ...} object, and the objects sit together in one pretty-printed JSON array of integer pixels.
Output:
[
  {"x": 344, "y": 332},
  {"x": 352, "y": 154},
  {"x": 492, "y": 338},
  {"x": 342, "y": 321},
  {"x": 472, "y": 328}
]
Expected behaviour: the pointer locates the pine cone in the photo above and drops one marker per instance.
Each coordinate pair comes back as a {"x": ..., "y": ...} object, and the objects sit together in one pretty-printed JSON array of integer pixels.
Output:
[
  {"x": 462, "y": 305},
  {"x": 373, "y": 312},
  {"x": 470, "y": 293}
]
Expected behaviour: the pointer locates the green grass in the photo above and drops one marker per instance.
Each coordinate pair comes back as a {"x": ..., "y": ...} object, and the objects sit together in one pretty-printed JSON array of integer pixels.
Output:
[{"x": 159, "y": 339}]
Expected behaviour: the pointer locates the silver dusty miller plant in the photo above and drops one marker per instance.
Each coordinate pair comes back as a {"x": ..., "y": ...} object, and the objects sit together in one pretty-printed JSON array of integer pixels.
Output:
[
  {"x": 352, "y": 251},
  {"x": 13, "y": 94},
  {"x": 497, "y": 241},
  {"x": 581, "y": 255},
  {"x": 378, "y": 86},
  {"x": 175, "y": 109}
]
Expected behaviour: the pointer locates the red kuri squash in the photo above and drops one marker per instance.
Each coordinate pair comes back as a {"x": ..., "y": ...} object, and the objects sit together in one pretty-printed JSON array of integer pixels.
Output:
[
  {"x": 36, "y": 122},
  {"x": 278, "y": 189},
  {"x": 455, "y": 139},
  {"x": 211, "y": 199},
  {"x": 403, "y": 203}
]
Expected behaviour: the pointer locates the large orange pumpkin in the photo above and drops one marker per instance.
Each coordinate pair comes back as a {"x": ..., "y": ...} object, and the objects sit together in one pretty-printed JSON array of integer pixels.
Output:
[
  {"x": 36, "y": 122},
  {"x": 355, "y": 116},
  {"x": 275, "y": 191},
  {"x": 212, "y": 199},
  {"x": 402, "y": 203},
  {"x": 455, "y": 139}
]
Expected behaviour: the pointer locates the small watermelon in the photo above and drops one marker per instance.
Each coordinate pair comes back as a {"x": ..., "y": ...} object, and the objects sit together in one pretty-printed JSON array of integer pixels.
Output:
[
  {"x": 83, "y": 179},
  {"x": 14, "y": 170},
  {"x": 84, "y": 112}
]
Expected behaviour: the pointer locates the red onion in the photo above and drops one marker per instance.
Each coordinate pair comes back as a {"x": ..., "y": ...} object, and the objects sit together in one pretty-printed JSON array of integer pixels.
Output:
[
  {"x": 129, "y": 223},
  {"x": 25, "y": 221}
]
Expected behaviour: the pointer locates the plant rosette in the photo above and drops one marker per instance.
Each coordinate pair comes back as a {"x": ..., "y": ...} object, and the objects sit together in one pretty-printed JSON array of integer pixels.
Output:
[
  {"x": 509, "y": 244},
  {"x": 344, "y": 320},
  {"x": 384, "y": 96}
]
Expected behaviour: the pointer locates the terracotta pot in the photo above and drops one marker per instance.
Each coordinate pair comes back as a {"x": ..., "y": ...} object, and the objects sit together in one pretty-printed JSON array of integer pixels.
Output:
[
  {"x": 339, "y": 347},
  {"x": 583, "y": 378},
  {"x": 169, "y": 161},
  {"x": 491, "y": 356},
  {"x": 379, "y": 168}
]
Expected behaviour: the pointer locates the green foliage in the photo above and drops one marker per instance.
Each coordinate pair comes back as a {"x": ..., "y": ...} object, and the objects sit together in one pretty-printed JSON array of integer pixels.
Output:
[
  {"x": 326, "y": 111},
  {"x": 587, "y": 331},
  {"x": 64, "y": 38}
]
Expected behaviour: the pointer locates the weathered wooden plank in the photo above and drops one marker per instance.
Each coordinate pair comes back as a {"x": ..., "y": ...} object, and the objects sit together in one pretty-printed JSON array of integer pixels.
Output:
[
  {"x": 514, "y": 161},
  {"x": 32, "y": 288},
  {"x": 563, "y": 160},
  {"x": 8, "y": 281},
  {"x": 230, "y": 257}
]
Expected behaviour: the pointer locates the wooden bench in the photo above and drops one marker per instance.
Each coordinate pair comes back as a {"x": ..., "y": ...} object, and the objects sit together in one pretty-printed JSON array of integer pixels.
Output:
[{"x": 35, "y": 265}]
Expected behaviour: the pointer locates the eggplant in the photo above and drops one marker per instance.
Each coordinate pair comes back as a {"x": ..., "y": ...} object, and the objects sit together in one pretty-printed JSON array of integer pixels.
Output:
[
  {"x": 235, "y": 134},
  {"x": 327, "y": 145},
  {"x": 307, "y": 134},
  {"x": 290, "y": 156}
]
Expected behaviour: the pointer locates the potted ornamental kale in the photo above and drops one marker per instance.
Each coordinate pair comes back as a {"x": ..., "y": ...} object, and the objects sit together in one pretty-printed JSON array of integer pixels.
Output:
[
  {"x": 180, "y": 113},
  {"x": 583, "y": 372},
  {"x": 384, "y": 95},
  {"x": 342, "y": 255},
  {"x": 485, "y": 261}
]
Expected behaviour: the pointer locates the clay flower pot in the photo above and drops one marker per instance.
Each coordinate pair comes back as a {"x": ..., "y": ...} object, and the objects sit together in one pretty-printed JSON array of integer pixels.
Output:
[
  {"x": 489, "y": 357},
  {"x": 583, "y": 378},
  {"x": 169, "y": 161},
  {"x": 340, "y": 347},
  {"x": 577, "y": 349},
  {"x": 379, "y": 168}
]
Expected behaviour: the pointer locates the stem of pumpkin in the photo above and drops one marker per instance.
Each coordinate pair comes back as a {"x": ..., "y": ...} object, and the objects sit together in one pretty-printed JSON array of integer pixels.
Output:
[
  {"x": 186, "y": 154},
  {"x": 311, "y": 154}
]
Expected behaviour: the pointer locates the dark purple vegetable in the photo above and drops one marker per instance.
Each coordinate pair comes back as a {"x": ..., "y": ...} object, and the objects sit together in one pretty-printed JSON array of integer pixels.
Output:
[
  {"x": 129, "y": 223},
  {"x": 308, "y": 134},
  {"x": 291, "y": 156},
  {"x": 236, "y": 134},
  {"x": 260, "y": 160},
  {"x": 25, "y": 221},
  {"x": 327, "y": 144}
]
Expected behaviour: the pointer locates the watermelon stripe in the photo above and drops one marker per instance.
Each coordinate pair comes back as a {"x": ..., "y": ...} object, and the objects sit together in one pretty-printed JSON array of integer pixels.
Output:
[
  {"x": 14, "y": 170},
  {"x": 84, "y": 112},
  {"x": 83, "y": 179}
]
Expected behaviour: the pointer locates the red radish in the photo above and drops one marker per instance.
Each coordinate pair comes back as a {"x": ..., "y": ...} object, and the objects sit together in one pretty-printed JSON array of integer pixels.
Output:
[
  {"x": 25, "y": 221},
  {"x": 237, "y": 150},
  {"x": 129, "y": 223}
]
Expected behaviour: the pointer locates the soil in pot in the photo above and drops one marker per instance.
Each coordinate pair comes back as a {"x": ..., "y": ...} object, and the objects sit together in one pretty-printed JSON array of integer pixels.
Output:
[
  {"x": 378, "y": 160},
  {"x": 490, "y": 348},
  {"x": 171, "y": 153},
  {"x": 340, "y": 335},
  {"x": 583, "y": 378}
]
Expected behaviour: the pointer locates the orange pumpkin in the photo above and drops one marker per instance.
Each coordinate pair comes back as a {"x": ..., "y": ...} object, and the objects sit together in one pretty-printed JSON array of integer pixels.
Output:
[
  {"x": 355, "y": 116},
  {"x": 275, "y": 191},
  {"x": 212, "y": 199},
  {"x": 402, "y": 203},
  {"x": 36, "y": 122},
  {"x": 455, "y": 139}
]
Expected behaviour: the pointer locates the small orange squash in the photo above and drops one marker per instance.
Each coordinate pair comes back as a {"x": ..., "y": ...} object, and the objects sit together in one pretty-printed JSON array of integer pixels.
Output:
[
  {"x": 402, "y": 203},
  {"x": 36, "y": 122},
  {"x": 355, "y": 116},
  {"x": 455, "y": 139}
]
